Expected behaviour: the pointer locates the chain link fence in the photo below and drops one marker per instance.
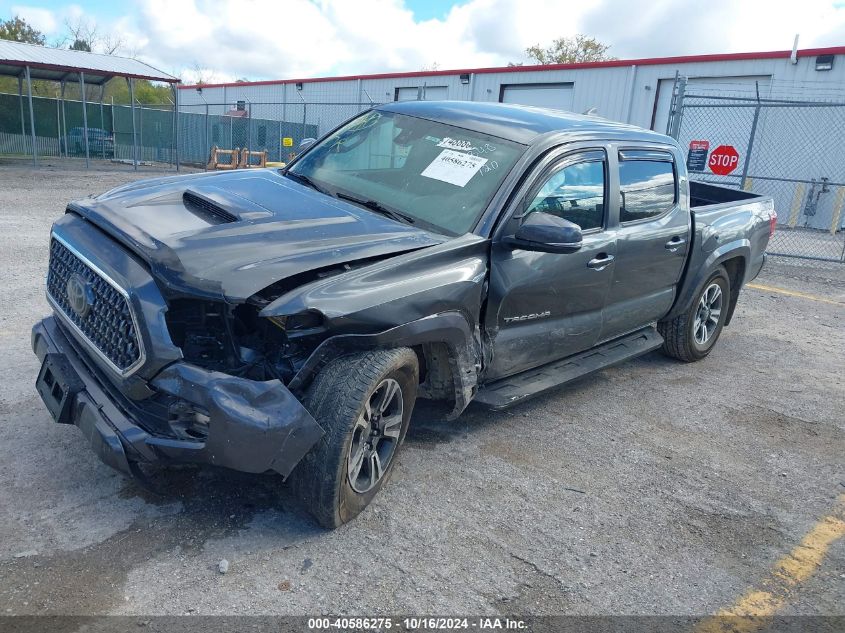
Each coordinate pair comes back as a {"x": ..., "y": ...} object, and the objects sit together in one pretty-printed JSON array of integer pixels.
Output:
[
  {"x": 59, "y": 130},
  {"x": 274, "y": 128},
  {"x": 793, "y": 151}
]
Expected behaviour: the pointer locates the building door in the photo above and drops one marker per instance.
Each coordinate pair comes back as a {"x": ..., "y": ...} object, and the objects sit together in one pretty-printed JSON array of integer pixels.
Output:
[
  {"x": 425, "y": 93},
  {"x": 557, "y": 96}
]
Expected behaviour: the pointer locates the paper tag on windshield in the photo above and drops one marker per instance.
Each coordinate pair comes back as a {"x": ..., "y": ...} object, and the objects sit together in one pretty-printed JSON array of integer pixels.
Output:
[
  {"x": 451, "y": 143},
  {"x": 453, "y": 167}
]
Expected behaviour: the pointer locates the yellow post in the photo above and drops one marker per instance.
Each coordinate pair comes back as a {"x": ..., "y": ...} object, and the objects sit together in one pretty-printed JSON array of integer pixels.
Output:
[
  {"x": 837, "y": 209},
  {"x": 795, "y": 209},
  {"x": 748, "y": 184}
]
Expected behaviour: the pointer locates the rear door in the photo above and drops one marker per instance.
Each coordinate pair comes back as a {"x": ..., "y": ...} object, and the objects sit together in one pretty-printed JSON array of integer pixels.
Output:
[
  {"x": 545, "y": 306},
  {"x": 653, "y": 237}
]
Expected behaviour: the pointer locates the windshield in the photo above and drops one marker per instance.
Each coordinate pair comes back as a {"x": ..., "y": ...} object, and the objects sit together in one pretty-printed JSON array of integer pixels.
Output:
[{"x": 425, "y": 172}]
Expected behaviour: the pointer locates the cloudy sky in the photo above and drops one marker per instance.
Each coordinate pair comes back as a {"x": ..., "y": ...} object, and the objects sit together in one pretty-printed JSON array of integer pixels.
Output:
[{"x": 268, "y": 39}]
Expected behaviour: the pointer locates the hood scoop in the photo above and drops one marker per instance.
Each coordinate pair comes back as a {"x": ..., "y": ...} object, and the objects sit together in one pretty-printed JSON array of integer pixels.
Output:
[
  {"x": 229, "y": 235},
  {"x": 207, "y": 209}
]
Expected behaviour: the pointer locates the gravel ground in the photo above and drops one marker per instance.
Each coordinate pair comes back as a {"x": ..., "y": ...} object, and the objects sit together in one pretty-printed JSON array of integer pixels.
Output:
[{"x": 650, "y": 488}]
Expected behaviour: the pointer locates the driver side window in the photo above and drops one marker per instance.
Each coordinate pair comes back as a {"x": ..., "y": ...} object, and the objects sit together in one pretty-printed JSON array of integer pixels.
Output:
[{"x": 575, "y": 193}]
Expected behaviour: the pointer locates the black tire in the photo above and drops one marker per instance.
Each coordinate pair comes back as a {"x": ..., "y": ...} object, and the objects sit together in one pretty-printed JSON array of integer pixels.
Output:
[
  {"x": 337, "y": 400},
  {"x": 682, "y": 336}
]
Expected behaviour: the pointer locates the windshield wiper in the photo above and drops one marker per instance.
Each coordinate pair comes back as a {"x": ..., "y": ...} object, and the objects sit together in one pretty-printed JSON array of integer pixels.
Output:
[
  {"x": 372, "y": 205},
  {"x": 305, "y": 180}
]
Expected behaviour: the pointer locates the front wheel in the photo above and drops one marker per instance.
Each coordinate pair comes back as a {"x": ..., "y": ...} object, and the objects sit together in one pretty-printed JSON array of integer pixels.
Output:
[
  {"x": 691, "y": 335},
  {"x": 364, "y": 403}
]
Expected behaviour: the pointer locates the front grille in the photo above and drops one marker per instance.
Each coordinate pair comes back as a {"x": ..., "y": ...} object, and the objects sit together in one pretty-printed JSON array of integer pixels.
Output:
[{"x": 107, "y": 321}]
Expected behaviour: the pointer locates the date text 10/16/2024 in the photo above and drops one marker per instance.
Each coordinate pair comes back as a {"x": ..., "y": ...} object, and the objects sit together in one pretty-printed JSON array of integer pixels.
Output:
[{"x": 417, "y": 623}]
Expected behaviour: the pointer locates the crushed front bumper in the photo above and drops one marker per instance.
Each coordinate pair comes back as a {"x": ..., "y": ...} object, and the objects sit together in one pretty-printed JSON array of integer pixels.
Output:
[{"x": 251, "y": 426}]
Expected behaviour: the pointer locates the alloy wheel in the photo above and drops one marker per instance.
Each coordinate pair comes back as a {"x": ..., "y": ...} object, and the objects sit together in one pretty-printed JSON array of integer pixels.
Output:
[
  {"x": 707, "y": 314},
  {"x": 375, "y": 436}
]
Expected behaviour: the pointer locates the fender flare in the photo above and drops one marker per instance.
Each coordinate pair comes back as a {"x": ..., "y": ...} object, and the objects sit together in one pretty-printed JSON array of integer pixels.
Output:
[
  {"x": 692, "y": 285},
  {"x": 451, "y": 328}
]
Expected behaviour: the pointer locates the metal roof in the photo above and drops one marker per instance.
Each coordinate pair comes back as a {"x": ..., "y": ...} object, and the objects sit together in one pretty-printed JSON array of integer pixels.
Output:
[
  {"x": 650, "y": 61},
  {"x": 58, "y": 63}
]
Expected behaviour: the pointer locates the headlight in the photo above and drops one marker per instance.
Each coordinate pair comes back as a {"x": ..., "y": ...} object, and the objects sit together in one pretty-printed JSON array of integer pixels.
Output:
[{"x": 308, "y": 320}]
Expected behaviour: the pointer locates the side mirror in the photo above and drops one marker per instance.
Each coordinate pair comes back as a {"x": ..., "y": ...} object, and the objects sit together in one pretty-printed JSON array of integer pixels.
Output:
[
  {"x": 306, "y": 143},
  {"x": 546, "y": 233}
]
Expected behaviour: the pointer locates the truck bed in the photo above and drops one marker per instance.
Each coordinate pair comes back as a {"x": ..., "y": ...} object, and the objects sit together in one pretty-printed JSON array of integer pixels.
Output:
[
  {"x": 705, "y": 194},
  {"x": 724, "y": 220}
]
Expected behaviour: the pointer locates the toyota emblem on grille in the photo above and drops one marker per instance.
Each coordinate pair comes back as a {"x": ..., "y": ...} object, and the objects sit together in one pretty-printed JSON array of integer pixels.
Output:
[{"x": 80, "y": 295}]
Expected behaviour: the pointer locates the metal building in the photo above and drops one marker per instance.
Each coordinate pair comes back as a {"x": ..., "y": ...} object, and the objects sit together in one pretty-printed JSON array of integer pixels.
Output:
[{"x": 637, "y": 91}]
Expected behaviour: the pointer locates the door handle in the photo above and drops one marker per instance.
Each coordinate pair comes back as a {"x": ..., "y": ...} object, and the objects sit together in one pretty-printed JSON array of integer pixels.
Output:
[
  {"x": 601, "y": 262},
  {"x": 675, "y": 243}
]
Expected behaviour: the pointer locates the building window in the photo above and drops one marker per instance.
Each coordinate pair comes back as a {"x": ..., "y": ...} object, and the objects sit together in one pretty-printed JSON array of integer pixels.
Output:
[{"x": 824, "y": 62}]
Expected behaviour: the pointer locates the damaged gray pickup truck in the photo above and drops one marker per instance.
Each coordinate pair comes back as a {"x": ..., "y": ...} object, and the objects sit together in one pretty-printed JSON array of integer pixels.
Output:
[{"x": 287, "y": 320}]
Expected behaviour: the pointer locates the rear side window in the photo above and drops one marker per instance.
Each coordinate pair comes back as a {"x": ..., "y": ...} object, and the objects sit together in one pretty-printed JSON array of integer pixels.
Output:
[{"x": 647, "y": 184}]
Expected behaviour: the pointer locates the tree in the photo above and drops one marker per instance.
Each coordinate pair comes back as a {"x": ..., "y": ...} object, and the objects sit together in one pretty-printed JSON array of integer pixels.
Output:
[
  {"x": 17, "y": 29},
  {"x": 112, "y": 45},
  {"x": 80, "y": 45},
  {"x": 146, "y": 92},
  {"x": 81, "y": 34},
  {"x": 200, "y": 76},
  {"x": 570, "y": 50}
]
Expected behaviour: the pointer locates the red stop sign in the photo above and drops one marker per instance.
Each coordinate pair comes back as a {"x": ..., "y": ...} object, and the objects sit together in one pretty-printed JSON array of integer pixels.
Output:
[{"x": 723, "y": 160}]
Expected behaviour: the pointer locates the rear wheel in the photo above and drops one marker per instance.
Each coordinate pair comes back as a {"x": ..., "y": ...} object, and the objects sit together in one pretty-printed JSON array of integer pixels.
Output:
[
  {"x": 690, "y": 336},
  {"x": 364, "y": 403}
]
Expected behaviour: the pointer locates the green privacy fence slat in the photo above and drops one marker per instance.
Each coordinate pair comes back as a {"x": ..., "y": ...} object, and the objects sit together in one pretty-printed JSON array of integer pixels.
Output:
[
  {"x": 52, "y": 122},
  {"x": 198, "y": 133},
  {"x": 153, "y": 130}
]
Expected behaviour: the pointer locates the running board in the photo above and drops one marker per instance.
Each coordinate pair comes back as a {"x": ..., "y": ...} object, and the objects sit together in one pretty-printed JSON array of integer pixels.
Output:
[{"x": 506, "y": 392}]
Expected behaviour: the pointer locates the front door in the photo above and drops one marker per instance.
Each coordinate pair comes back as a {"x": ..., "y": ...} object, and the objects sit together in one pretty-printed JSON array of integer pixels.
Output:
[{"x": 546, "y": 306}]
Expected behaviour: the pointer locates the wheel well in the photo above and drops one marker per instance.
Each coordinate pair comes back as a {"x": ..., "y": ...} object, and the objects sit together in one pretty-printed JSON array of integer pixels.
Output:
[
  {"x": 735, "y": 267},
  {"x": 436, "y": 377}
]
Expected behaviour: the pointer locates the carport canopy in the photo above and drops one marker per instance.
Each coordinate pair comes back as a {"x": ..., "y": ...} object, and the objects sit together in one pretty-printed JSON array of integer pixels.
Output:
[{"x": 29, "y": 61}]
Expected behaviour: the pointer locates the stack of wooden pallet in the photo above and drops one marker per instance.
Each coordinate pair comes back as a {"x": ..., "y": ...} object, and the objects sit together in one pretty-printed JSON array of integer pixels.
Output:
[{"x": 236, "y": 158}]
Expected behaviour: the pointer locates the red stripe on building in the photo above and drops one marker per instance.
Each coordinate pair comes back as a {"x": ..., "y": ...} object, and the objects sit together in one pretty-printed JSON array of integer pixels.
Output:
[{"x": 615, "y": 63}]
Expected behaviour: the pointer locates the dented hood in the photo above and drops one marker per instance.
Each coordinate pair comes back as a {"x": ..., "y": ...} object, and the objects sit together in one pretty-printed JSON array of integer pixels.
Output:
[{"x": 229, "y": 235}]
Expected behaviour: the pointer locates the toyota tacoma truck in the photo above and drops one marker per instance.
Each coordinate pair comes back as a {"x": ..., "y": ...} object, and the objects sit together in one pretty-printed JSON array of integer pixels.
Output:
[{"x": 287, "y": 319}]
